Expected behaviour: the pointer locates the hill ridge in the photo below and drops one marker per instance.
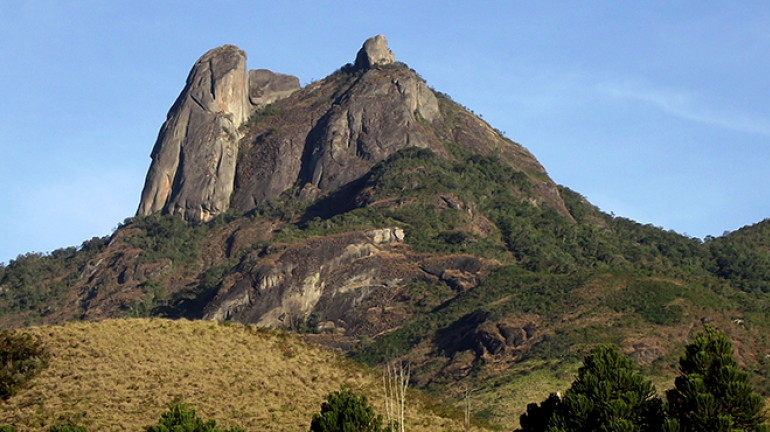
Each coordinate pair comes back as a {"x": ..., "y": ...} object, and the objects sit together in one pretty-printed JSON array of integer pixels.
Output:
[{"x": 122, "y": 374}]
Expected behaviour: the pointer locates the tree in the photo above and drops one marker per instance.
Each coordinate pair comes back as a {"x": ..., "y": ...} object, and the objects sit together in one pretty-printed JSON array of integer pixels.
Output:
[
  {"x": 712, "y": 393},
  {"x": 22, "y": 356},
  {"x": 395, "y": 381},
  {"x": 345, "y": 411},
  {"x": 181, "y": 418},
  {"x": 67, "y": 428},
  {"x": 608, "y": 394},
  {"x": 538, "y": 417}
]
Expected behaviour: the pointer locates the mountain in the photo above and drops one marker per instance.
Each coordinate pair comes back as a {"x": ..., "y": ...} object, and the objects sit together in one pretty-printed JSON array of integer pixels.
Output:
[
  {"x": 320, "y": 138},
  {"x": 377, "y": 216}
]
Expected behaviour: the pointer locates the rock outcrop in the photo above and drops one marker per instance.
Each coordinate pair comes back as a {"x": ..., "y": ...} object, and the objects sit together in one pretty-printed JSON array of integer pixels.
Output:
[
  {"x": 318, "y": 138},
  {"x": 330, "y": 276},
  {"x": 375, "y": 51},
  {"x": 375, "y": 118},
  {"x": 334, "y": 131},
  {"x": 336, "y": 271},
  {"x": 266, "y": 87},
  {"x": 193, "y": 161}
]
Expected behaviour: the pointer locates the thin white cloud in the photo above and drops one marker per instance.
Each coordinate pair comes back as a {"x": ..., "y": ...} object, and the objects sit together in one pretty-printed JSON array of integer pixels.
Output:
[{"x": 687, "y": 106}]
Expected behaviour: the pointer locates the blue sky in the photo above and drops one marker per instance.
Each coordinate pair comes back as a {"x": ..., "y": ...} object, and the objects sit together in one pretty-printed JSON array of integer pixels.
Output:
[{"x": 657, "y": 112}]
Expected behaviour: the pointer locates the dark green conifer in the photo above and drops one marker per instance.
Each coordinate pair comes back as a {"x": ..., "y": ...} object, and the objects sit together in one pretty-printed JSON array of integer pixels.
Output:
[
  {"x": 345, "y": 411},
  {"x": 182, "y": 418},
  {"x": 712, "y": 394},
  {"x": 607, "y": 395}
]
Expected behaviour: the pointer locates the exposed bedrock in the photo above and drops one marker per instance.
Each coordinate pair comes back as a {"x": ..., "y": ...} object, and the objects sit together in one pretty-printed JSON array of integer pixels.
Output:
[{"x": 193, "y": 161}]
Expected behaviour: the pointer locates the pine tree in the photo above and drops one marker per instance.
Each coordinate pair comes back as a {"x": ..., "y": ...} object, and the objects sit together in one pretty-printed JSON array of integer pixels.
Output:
[
  {"x": 712, "y": 393},
  {"x": 181, "y": 417},
  {"x": 538, "y": 417},
  {"x": 345, "y": 411},
  {"x": 608, "y": 394}
]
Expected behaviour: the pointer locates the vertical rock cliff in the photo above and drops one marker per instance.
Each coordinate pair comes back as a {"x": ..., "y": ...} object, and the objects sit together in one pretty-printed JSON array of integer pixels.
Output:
[{"x": 193, "y": 161}]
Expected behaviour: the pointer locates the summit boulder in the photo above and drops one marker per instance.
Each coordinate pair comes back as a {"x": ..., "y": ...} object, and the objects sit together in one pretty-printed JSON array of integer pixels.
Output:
[
  {"x": 375, "y": 51},
  {"x": 266, "y": 87}
]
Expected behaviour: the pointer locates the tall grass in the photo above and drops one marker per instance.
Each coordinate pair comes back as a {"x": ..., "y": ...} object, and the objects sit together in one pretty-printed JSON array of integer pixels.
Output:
[{"x": 122, "y": 374}]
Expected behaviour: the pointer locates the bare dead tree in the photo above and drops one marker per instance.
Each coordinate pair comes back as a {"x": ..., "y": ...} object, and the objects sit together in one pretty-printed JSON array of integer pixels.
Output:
[
  {"x": 467, "y": 407},
  {"x": 395, "y": 381}
]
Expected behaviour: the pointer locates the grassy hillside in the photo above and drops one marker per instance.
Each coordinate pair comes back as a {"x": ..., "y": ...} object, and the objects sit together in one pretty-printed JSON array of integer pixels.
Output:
[{"x": 121, "y": 374}]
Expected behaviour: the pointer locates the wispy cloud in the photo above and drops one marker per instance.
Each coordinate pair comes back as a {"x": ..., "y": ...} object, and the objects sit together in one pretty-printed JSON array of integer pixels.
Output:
[{"x": 686, "y": 105}]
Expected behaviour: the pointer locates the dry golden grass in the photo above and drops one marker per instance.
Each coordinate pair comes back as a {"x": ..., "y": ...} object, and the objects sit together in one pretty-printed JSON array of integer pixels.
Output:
[{"x": 122, "y": 374}]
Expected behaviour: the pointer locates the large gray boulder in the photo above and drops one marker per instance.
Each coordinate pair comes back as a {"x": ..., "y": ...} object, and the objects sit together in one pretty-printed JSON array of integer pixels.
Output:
[
  {"x": 193, "y": 161},
  {"x": 375, "y": 51},
  {"x": 266, "y": 87}
]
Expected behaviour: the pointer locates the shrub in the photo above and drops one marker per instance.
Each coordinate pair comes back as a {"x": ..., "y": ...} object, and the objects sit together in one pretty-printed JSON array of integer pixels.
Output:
[
  {"x": 22, "y": 356},
  {"x": 345, "y": 411},
  {"x": 68, "y": 428},
  {"x": 180, "y": 417}
]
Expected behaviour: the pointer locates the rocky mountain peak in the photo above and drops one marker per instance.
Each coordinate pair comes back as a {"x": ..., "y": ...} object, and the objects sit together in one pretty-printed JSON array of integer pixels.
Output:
[
  {"x": 222, "y": 146},
  {"x": 374, "y": 51},
  {"x": 193, "y": 160}
]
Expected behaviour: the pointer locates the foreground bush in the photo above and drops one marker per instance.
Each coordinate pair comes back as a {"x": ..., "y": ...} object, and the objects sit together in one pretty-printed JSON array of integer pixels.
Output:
[
  {"x": 345, "y": 411},
  {"x": 22, "y": 356},
  {"x": 68, "y": 428},
  {"x": 181, "y": 418}
]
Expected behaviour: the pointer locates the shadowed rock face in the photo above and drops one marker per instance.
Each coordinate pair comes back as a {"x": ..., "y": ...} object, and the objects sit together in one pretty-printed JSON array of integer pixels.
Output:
[
  {"x": 377, "y": 117},
  {"x": 193, "y": 161},
  {"x": 334, "y": 131},
  {"x": 266, "y": 87}
]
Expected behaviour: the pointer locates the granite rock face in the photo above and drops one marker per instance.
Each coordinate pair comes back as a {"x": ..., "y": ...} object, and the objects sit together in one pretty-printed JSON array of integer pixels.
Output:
[
  {"x": 375, "y": 118},
  {"x": 334, "y": 131},
  {"x": 331, "y": 274},
  {"x": 375, "y": 51},
  {"x": 266, "y": 87},
  {"x": 220, "y": 147},
  {"x": 193, "y": 161}
]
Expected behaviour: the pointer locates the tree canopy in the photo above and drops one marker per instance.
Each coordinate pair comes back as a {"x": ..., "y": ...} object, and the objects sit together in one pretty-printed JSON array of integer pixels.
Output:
[
  {"x": 608, "y": 394},
  {"x": 711, "y": 392},
  {"x": 345, "y": 411}
]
